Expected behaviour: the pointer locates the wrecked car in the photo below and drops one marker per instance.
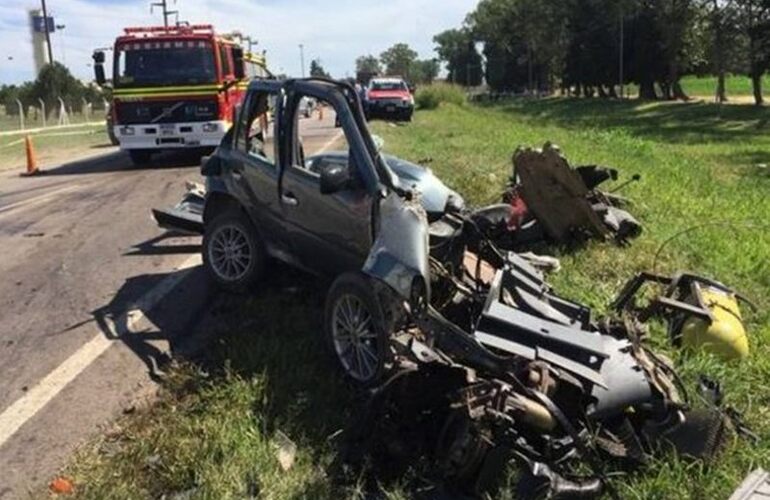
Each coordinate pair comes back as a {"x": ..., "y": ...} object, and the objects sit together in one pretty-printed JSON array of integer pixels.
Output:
[{"x": 471, "y": 358}]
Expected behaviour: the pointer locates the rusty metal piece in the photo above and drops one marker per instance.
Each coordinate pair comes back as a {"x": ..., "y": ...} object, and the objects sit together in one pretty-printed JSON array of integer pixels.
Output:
[{"x": 555, "y": 193}]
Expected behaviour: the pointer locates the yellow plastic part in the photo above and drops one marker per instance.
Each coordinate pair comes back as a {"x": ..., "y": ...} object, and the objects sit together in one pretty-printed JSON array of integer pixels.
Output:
[{"x": 725, "y": 335}]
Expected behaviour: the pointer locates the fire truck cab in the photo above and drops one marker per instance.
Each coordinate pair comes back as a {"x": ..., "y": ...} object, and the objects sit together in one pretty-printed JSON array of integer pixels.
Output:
[{"x": 175, "y": 87}]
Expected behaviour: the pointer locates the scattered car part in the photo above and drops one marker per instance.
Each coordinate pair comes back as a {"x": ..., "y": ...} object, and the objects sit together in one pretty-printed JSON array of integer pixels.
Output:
[
  {"x": 546, "y": 192},
  {"x": 185, "y": 217},
  {"x": 756, "y": 486},
  {"x": 701, "y": 313}
]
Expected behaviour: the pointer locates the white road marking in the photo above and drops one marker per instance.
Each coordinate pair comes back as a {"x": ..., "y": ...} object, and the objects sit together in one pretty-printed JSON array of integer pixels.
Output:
[
  {"x": 36, "y": 200},
  {"x": 46, "y": 389},
  {"x": 329, "y": 143}
]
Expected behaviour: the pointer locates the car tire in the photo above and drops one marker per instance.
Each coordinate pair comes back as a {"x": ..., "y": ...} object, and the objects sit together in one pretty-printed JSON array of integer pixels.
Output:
[
  {"x": 356, "y": 330},
  {"x": 233, "y": 253},
  {"x": 140, "y": 156}
]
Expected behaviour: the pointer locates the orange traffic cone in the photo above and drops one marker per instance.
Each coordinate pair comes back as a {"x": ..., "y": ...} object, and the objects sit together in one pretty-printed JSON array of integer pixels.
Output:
[{"x": 31, "y": 162}]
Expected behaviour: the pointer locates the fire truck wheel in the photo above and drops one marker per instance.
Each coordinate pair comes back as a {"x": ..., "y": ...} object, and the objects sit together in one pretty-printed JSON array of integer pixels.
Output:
[{"x": 140, "y": 156}]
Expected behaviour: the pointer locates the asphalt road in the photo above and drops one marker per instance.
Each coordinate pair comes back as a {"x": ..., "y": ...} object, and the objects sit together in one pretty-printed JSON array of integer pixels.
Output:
[{"x": 94, "y": 299}]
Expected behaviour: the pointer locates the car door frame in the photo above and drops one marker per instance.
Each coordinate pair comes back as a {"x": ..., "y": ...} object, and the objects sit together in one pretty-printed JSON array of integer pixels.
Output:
[
  {"x": 253, "y": 179},
  {"x": 317, "y": 242}
]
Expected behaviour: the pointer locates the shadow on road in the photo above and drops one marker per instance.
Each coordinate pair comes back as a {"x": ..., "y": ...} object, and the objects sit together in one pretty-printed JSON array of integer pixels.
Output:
[
  {"x": 172, "y": 318},
  {"x": 119, "y": 161},
  {"x": 152, "y": 246}
]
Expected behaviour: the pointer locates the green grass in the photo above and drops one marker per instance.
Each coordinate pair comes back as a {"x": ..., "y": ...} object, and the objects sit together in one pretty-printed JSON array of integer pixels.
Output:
[
  {"x": 213, "y": 434},
  {"x": 51, "y": 146},
  {"x": 431, "y": 96},
  {"x": 736, "y": 85},
  {"x": 35, "y": 120}
]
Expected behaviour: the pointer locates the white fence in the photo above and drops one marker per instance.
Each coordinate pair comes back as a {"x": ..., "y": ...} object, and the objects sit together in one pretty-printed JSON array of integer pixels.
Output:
[{"x": 32, "y": 118}]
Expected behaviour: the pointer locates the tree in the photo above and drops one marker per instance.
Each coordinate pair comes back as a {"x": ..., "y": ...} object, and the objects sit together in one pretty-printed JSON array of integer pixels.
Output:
[
  {"x": 754, "y": 22},
  {"x": 723, "y": 28},
  {"x": 55, "y": 81},
  {"x": 424, "y": 71},
  {"x": 399, "y": 60},
  {"x": 368, "y": 64},
  {"x": 524, "y": 41},
  {"x": 592, "y": 48},
  {"x": 9, "y": 95},
  {"x": 316, "y": 70},
  {"x": 457, "y": 49}
]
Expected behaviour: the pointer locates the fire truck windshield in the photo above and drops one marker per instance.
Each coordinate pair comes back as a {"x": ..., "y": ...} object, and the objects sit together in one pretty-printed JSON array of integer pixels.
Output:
[{"x": 164, "y": 63}]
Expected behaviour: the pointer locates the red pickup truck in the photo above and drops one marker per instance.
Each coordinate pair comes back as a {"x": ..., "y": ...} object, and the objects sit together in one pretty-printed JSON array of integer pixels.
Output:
[{"x": 389, "y": 98}]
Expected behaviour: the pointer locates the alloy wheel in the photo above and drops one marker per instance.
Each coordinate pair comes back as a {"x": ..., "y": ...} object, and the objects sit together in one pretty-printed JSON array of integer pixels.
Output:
[
  {"x": 355, "y": 338},
  {"x": 230, "y": 253}
]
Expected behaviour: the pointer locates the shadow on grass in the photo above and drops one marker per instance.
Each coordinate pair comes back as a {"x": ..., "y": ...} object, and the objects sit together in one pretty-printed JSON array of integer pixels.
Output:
[
  {"x": 276, "y": 337},
  {"x": 671, "y": 122},
  {"x": 276, "y": 334}
]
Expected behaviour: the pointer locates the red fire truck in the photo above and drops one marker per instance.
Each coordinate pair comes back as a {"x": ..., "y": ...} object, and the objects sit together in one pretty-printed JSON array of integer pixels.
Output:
[{"x": 175, "y": 87}]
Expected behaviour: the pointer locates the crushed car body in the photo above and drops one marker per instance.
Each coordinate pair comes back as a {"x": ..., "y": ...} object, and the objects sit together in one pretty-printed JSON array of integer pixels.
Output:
[
  {"x": 470, "y": 358},
  {"x": 535, "y": 378}
]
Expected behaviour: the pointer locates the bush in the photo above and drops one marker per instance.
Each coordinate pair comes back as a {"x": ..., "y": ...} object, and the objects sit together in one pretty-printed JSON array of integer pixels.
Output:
[{"x": 430, "y": 96}]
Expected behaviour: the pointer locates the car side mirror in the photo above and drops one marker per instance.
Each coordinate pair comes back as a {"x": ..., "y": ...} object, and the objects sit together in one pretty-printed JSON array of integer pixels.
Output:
[
  {"x": 211, "y": 165},
  {"x": 99, "y": 58},
  {"x": 238, "y": 68},
  {"x": 99, "y": 74},
  {"x": 334, "y": 178}
]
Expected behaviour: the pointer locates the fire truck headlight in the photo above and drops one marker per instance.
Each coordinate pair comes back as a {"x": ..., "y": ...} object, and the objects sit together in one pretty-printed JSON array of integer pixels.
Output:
[
  {"x": 210, "y": 127},
  {"x": 126, "y": 130}
]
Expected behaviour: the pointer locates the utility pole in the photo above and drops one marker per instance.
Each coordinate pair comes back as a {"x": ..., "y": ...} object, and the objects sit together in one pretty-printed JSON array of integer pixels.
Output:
[
  {"x": 302, "y": 58},
  {"x": 47, "y": 32},
  {"x": 166, "y": 13}
]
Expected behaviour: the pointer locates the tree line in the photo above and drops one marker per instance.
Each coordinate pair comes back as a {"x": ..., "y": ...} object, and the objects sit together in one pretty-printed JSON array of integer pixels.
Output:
[
  {"x": 399, "y": 60},
  {"x": 595, "y": 47},
  {"x": 54, "y": 81}
]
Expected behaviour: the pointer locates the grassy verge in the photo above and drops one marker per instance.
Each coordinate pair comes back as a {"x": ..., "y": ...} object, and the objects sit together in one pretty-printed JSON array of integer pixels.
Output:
[
  {"x": 736, "y": 85},
  {"x": 52, "y": 146},
  {"x": 214, "y": 434}
]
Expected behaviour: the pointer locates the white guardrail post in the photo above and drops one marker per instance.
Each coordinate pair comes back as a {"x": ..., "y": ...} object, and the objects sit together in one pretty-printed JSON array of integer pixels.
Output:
[
  {"x": 21, "y": 114},
  {"x": 42, "y": 109},
  {"x": 64, "y": 119}
]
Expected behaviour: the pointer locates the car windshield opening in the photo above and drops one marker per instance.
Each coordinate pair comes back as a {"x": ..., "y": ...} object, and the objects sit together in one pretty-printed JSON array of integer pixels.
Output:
[
  {"x": 388, "y": 86},
  {"x": 165, "y": 63}
]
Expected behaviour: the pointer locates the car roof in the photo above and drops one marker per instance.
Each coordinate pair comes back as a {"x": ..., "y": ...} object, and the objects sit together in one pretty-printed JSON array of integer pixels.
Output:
[{"x": 273, "y": 85}]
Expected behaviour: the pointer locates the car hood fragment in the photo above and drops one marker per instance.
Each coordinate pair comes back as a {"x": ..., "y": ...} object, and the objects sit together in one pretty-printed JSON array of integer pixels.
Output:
[{"x": 399, "y": 255}]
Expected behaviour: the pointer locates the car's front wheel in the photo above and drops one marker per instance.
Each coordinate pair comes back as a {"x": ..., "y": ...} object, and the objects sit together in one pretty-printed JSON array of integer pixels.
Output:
[
  {"x": 357, "y": 332},
  {"x": 233, "y": 254}
]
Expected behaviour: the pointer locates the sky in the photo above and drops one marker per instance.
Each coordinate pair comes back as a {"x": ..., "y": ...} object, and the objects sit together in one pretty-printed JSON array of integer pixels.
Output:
[{"x": 334, "y": 31}]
